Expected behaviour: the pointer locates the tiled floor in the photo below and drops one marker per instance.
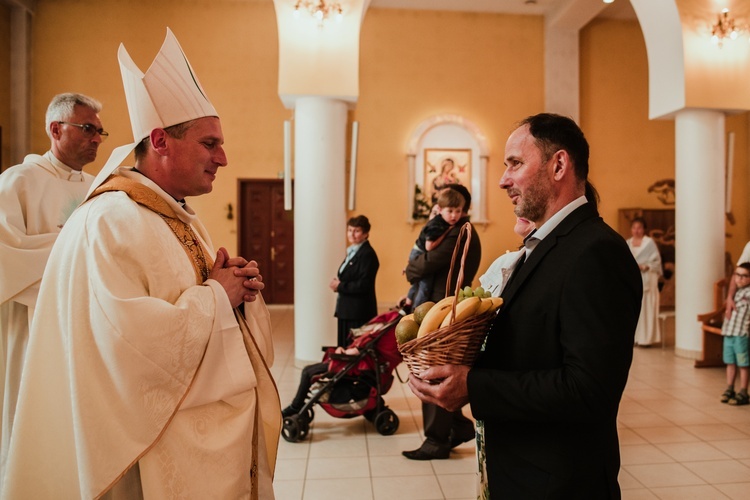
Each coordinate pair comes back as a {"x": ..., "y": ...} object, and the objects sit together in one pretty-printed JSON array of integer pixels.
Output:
[{"x": 677, "y": 440}]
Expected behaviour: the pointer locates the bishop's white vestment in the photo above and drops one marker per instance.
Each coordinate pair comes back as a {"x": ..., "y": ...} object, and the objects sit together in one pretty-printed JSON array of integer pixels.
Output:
[
  {"x": 144, "y": 378},
  {"x": 36, "y": 198}
]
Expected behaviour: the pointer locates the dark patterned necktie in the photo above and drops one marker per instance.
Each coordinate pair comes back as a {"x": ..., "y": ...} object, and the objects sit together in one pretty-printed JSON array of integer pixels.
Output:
[{"x": 529, "y": 242}]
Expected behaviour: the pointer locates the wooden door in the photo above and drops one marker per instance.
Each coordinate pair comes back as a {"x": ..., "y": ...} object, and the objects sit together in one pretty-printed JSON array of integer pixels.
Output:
[{"x": 266, "y": 235}]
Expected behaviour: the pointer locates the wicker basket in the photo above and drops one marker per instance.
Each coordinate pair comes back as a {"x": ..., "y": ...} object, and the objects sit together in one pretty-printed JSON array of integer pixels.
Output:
[{"x": 458, "y": 343}]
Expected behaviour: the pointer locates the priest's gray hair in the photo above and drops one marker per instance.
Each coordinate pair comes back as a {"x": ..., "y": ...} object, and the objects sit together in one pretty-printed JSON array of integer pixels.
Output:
[{"x": 62, "y": 107}]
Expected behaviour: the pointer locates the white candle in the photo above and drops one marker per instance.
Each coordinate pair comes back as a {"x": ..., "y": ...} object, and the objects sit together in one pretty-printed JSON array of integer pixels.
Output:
[
  {"x": 287, "y": 165},
  {"x": 353, "y": 164}
]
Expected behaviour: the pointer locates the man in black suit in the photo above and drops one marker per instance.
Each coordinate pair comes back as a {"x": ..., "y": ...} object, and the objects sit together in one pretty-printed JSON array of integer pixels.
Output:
[
  {"x": 355, "y": 281},
  {"x": 549, "y": 382}
]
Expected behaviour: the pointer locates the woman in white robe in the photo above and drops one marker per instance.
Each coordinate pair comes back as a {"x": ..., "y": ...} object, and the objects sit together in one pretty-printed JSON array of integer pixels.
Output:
[{"x": 647, "y": 255}]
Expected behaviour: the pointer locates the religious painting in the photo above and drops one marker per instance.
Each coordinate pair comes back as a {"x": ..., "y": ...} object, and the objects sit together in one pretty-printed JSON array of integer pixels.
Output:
[{"x": 441, "y": 167}]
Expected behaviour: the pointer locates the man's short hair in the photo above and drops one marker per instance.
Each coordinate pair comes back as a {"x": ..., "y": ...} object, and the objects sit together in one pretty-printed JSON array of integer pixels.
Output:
[
  {"x": 463, "y": 191},
  {"x": 555, "y": 132},
  {"x": 361, "y": 222},
  {"x": 176, "y": 131},
  {"x": 450, "y": 198},
  {"x": 744, "y": 265},
  {"x": 62, "y": 107}
]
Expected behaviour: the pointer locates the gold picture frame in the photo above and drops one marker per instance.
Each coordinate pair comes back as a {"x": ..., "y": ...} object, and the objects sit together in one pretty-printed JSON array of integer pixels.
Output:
[{"x": 441, "y": 167}]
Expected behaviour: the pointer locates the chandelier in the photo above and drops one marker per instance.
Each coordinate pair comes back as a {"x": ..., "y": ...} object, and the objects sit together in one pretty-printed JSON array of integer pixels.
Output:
[
  {"x": 725, "y": 27},
  {"x": 319, "y": 9}
]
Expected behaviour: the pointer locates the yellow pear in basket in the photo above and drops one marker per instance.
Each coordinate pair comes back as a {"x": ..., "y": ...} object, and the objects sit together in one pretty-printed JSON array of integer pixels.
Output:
[
  {"x": 421, "y": 310},
  {"x": 406, "y": 330},
  {"x": 435, "y": 316},
  {"x": 407, "y": 316},
  {"x": 464, "y": 309}
]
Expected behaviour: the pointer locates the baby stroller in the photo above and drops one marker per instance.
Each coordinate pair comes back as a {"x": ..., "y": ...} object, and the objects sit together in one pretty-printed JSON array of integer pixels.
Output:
[{"x": 353, "y": 385}]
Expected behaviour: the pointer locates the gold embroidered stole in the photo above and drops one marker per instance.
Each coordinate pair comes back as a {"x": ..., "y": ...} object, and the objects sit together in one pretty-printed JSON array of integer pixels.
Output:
[
  {"x": 266, "y": 393},
  {"x": 146, "y": 197}
]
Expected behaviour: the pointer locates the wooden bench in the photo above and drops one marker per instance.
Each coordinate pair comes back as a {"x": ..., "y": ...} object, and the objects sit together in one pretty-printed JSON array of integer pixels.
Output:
[{"x": 713, "y": 343}]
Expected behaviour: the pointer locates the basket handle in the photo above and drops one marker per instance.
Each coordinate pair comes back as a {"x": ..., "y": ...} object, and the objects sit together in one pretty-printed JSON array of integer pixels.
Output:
[{"x": 465, "y": 229}]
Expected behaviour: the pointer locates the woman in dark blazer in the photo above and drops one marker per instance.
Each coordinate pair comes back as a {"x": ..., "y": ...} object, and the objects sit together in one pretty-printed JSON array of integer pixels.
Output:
[{"x": 355, "y": 282}]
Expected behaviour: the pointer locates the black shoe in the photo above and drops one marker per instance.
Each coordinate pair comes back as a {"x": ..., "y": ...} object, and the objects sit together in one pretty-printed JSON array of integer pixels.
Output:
[
  {"x": 289, "y": 411},
  {"x": 461, "y": 438},
  {"x": 420, "y": 454},
  {"x": 404, "y": 308},
  {"x": 728, "y": 394}
]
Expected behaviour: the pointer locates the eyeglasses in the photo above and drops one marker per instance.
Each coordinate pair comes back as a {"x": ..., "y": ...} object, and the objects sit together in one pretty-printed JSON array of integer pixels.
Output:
[
  {"x": 89, "y": 130},
  {"x": 742, "y": 276}
]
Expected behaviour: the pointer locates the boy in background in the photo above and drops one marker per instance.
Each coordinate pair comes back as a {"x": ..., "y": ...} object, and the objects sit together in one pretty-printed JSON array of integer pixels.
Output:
[
  {"x": 450, "y": 206},
  {"x": 735, "y": 332}
]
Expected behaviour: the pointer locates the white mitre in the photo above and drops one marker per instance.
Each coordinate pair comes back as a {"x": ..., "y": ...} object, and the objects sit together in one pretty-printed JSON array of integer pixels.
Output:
[{"x": 168, "y": 93}]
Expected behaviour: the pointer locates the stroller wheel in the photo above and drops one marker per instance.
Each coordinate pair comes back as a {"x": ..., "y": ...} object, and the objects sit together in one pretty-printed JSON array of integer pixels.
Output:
[
  {"x": 304, "y": 429},
  {"x": 308, "y": 416},
  {"x": 386, "y": 422},
  {"x": 295, "y": 429}
]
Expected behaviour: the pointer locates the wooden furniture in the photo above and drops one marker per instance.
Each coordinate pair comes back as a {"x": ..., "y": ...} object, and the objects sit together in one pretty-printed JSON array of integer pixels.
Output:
[{"x": 711, "y": 329}]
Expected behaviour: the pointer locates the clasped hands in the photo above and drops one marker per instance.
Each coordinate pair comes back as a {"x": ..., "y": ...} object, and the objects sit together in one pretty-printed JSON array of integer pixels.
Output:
[
  {"x": 445, "y": 386},
  {"x": 239, "y": 277}
]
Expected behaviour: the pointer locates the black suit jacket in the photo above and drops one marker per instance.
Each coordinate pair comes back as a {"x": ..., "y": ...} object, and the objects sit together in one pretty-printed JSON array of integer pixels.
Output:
[
  {"x": 356, "y": 290},
  {"x": 549, "y": 383}
]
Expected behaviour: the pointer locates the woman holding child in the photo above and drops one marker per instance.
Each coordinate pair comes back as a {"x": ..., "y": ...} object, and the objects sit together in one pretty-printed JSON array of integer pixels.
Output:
[{"x": 445, "y": 429}]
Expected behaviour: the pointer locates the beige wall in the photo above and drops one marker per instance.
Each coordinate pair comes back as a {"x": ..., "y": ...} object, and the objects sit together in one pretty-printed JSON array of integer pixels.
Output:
[
  {"x": 738, "y": 229},
  {"x": 628, "y": 152},
  {"x": 414, "y": 64},
  {"x": 5, "y": 85},
  {"x": 232, "y": 46},
  {"x": 716, "y": 77}
]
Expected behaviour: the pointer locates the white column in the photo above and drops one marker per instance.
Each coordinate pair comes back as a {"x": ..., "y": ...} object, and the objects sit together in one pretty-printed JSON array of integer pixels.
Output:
[
  {"x": 561, "y": 72},
  {"x": 319, "y": 220},
  {"x": 561, "y": 55},
  {"x": 699, "y": 211}
]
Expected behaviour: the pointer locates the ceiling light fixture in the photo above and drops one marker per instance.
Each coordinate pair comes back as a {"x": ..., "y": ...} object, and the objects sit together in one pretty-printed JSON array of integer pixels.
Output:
[
  {"x": 726, "y": 27},
  {"x": 319, "y": 9}
]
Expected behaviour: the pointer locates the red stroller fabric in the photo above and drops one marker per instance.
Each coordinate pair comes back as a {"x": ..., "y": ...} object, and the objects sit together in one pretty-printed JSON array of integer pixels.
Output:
[{"x": 379, "y": 356}]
